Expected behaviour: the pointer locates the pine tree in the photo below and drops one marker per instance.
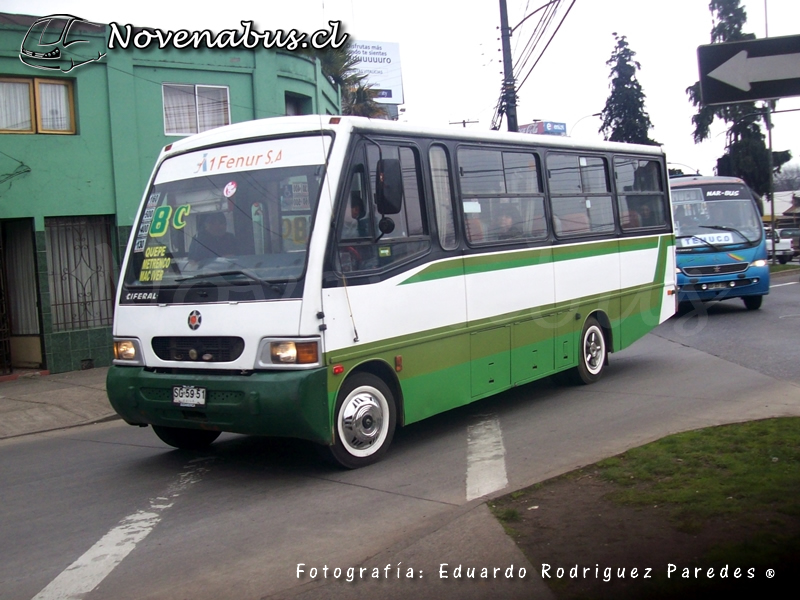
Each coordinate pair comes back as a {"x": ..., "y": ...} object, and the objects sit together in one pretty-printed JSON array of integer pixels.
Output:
[
  {"x": 746, "y": 155},
  {"x": 624, "y": 116}
]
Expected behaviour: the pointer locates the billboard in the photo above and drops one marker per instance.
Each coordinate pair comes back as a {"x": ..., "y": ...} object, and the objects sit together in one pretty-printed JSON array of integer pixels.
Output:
[
  {"x": 544, "y": 128},
  {"x": 380, "y": 62}
]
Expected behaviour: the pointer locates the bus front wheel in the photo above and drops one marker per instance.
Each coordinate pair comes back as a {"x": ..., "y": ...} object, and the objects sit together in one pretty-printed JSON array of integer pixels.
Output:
[
  {"x": 186, "y": 439},
  {"x": 753, "y": 302},
  {"x": 594, "y": 353},
  {"x": 365, "y": 421}
]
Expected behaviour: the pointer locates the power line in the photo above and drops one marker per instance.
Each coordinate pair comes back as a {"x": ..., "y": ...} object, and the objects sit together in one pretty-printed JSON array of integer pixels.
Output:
[
  {"x": 536, "y": 36},
  {"x": 546, "y": 46}
]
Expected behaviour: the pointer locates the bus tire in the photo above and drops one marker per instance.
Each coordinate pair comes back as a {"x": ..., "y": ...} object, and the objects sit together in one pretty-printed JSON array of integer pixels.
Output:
[
  {"x": 364, "y": 423},
  {"x": 752, "y": 302},
  {"x": 186, "y": 439},
  {"x": 594, "y": 353}
]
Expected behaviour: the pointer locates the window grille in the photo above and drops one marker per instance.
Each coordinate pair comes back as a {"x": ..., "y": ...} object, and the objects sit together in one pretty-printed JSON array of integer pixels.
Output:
[{"x": 80, "y": 271}]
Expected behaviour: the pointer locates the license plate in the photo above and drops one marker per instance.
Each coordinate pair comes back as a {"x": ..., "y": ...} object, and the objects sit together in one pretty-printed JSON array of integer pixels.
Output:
[
  {"x": 188, "y": 395},
  {"x": 718, "y": 285}
]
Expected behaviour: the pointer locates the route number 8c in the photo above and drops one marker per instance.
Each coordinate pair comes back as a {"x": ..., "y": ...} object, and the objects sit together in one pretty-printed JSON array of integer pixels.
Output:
[
  {"x": 161, "y": 219},
  {"x": 295, "y": 229}
]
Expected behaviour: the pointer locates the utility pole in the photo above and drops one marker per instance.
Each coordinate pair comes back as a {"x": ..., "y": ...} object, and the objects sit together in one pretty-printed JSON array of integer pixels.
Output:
[
  {"x": 768, "y": 118},
  {"x": 509, "y": 84}
]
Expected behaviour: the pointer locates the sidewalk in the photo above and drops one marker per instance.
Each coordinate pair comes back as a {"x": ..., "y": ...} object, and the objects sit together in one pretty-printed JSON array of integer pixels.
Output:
[{"x": 33, "y": 403}]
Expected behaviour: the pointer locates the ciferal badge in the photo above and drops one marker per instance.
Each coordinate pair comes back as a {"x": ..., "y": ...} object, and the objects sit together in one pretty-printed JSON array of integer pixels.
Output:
[{"x": 195, "y": 318}]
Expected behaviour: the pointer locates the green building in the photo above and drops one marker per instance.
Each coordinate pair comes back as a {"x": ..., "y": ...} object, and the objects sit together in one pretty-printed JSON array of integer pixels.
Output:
[{"x": 77, "y": 145}]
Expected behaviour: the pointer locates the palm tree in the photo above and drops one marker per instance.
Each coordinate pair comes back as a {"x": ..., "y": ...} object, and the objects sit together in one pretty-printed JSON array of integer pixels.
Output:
[{"x": 339, "y": 66}]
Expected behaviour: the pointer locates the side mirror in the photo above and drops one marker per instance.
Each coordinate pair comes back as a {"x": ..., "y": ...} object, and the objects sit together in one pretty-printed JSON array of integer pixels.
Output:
[
  {"x": 385, "y": 226},
  {"x": 389, "y": 186}
]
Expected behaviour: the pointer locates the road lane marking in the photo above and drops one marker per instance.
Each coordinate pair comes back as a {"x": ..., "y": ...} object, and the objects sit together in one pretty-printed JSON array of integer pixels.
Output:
[
  {"x": 86, "y": 573},
  {"x": 486, "y": 459},
  {"x": 783, "y": 284}
]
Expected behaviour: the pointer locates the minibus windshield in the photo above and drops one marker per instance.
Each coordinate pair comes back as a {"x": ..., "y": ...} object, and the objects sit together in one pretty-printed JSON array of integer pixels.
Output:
[
  {"x": 229, "y": 214},
  {"x": 715, "y": 217}
]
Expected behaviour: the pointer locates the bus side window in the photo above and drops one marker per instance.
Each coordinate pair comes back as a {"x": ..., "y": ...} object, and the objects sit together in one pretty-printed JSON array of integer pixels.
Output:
[
  {"x": 367, "y": 249},
  {"x": 443, "y": 197},
  {"x": 356, "y": 215},
  {"x": 355, "y": 249}
]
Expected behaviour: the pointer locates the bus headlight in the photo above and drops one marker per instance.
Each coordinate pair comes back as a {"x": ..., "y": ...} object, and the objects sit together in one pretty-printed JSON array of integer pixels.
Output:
[
  {"x": 288, "y": 353},
  {"x": 127, "y": 352},
  {"x": 759, "y": 263}
]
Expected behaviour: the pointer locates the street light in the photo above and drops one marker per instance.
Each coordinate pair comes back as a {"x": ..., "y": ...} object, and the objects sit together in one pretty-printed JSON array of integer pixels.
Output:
[{"x": 581, "y": 119}]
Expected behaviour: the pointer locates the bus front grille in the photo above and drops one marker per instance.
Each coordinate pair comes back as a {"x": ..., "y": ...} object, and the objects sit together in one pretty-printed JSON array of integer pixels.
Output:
[
  {"x": 716, "y": 269},
  {"x": 198, "y": 349}
]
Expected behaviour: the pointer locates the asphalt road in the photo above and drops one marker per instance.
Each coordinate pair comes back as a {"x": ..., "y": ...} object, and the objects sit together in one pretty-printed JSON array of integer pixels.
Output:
[
  {"x": 111, "y": 503},
  {"x": 766, "y": 340}
]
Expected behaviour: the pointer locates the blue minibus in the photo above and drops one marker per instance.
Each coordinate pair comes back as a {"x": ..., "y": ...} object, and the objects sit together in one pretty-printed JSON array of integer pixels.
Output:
[{"x": 719, "y": 240}]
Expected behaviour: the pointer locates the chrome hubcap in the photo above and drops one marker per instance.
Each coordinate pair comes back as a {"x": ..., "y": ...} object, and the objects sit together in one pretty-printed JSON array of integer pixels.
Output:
[
  {"x": 361, "y": 421},
  {"x": 593, "y": 349}
]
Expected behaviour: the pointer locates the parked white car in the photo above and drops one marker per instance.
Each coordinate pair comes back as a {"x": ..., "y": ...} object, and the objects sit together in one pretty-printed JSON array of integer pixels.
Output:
[
  {"x": 783, "y": 246},
  {"x": 792, "y": 236}
]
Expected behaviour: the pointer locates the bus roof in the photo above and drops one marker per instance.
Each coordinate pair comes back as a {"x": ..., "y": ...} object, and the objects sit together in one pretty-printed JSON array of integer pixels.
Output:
[
  {"x": 693, "y": 180},
  {"x": 315, "y": 123}
]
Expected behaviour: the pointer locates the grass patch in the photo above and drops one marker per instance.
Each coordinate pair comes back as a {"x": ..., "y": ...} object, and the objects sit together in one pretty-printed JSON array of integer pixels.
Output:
[
  {"x": 787, "y": 267},
  {"x": 732, "y": 469},
  {"x": 713, "y": 512},
  {"x": 507, "y": 515}
]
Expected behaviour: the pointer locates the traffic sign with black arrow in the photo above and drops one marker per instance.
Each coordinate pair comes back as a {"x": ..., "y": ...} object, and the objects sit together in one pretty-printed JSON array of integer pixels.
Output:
[{"x": 753, "y": 70}]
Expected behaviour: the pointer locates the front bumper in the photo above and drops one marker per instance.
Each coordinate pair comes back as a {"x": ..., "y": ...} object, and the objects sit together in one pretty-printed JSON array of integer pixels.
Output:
[
  {"x": 704, "y": 289},
  {"x": 274, "y": 403}
]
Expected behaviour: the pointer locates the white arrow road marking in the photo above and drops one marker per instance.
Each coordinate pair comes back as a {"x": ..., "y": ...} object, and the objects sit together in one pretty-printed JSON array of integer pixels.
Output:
[
  {"x": 740, "y": 71},
  {"x": 486, "y": 459},
  {"x": 86, "y": 573}
]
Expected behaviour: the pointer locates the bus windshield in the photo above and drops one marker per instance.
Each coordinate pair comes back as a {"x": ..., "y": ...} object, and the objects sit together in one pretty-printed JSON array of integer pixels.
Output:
[
  {"x": 229, "y": 214},
  {"x": 714, "y": 216}
]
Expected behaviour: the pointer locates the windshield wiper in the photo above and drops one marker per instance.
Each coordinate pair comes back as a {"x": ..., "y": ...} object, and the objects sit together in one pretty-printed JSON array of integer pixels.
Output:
[
  {"x": 277, "y": 286},
  {"x": 706, "y": 242},
  {"x": 726, "y": 228},
  {"x": 220, "y": 274}
]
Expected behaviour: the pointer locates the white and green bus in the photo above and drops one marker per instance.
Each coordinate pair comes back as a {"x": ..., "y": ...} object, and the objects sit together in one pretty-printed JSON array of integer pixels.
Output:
[{"x": 332, "y": 278}]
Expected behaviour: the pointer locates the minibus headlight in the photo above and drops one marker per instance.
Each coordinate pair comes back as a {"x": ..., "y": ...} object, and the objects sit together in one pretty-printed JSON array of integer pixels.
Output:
[
  {"x": 127, "y": 352},
  {"x": 759, "y": 263},
  {"x": 288, "y": 353}
]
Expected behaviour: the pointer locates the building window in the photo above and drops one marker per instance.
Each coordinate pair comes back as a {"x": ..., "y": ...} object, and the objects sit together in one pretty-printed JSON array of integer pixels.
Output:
[
  {"x": 81, "y": 271},
  {"x": 297, "y": 104},
  {"x": 191, "y": 109},
  {"x": 36, "y": 106}
]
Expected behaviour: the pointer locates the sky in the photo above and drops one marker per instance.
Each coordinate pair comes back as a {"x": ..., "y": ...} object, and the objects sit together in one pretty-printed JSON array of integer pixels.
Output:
[{"x": 452, "y": 67}]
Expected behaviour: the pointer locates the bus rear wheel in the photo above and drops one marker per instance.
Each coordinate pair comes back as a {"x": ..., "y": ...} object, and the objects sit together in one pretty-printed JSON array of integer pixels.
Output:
[
  {"x": 594, "y": 353},
  {"x": 365, "y": 421},
  {"x": 186, "y": 439}
]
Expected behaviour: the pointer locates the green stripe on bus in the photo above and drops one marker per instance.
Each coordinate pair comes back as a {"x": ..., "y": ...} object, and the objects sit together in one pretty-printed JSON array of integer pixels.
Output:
[
  {"x": 484, "y": 263},
  {"x": 442, "y": 371},
  {"x": 390, "y": 344}
]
